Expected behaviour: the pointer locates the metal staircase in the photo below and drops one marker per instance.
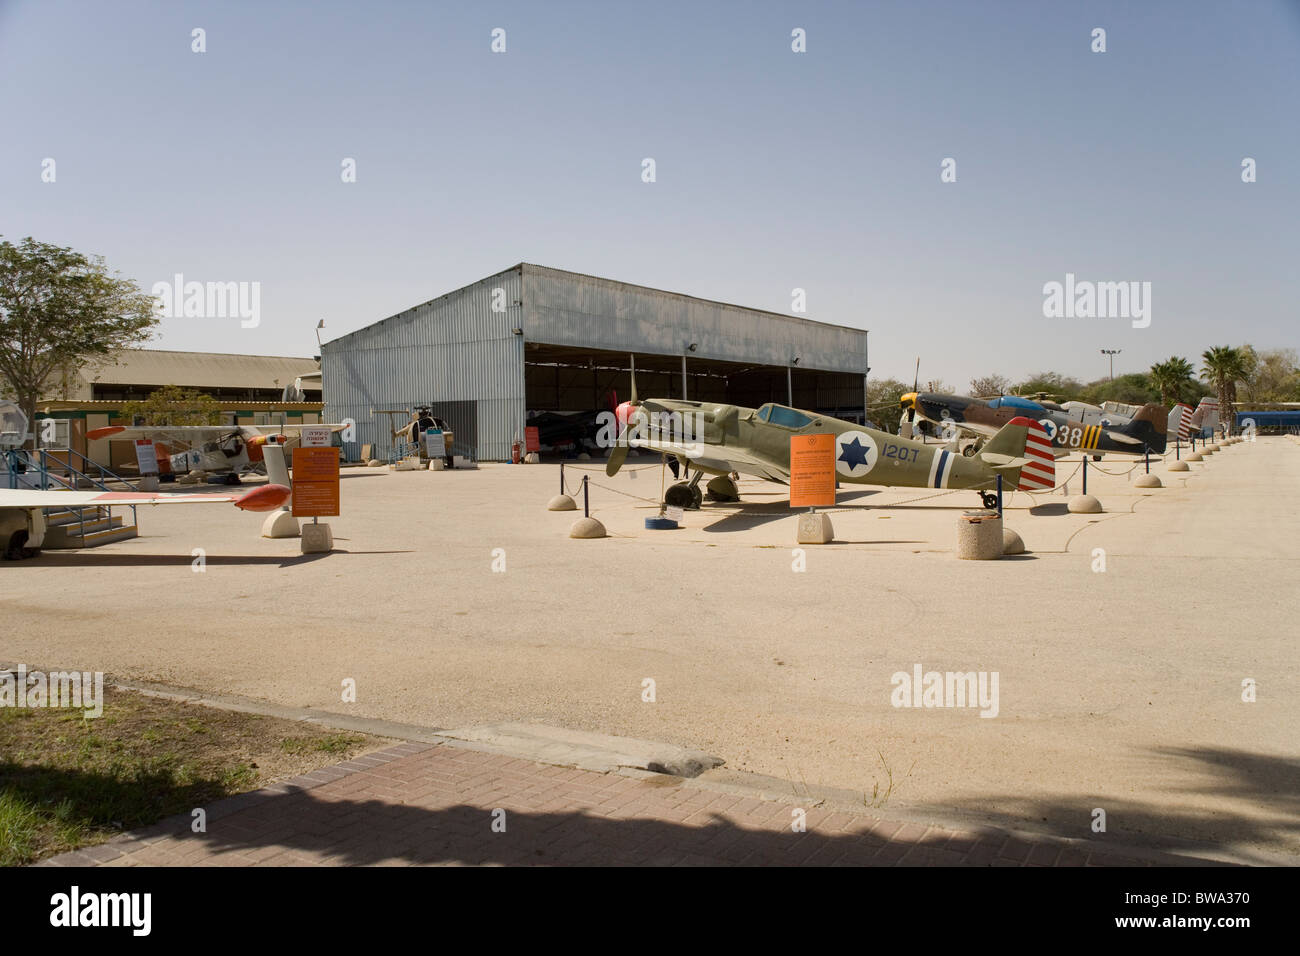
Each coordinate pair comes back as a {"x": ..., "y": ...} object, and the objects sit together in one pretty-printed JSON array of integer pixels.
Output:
[{"x": 72, "y": 527}]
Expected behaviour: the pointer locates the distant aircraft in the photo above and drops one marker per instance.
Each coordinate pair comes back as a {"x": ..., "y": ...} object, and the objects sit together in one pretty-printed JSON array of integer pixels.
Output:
[
  {"x": 1146, "y": 430},
  {"x": 228, "y": 450},
  {"x": 22, "y": 516},
  {"x": 720, "y": 439}
]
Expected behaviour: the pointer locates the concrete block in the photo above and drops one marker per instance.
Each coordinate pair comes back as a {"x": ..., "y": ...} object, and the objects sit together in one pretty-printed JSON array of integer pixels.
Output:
[
  {"x": 979, "y": 536},
  {"x": 532, "y": 458},
  {"x": 437, "y": 464},
  {"x": 374, "y": 463},
  {"x": 561, "y": 503},
  {"x": 280, "y": 524},
  {"x": 1084, "y": 505},
  {"x": 462, "y": 462},
  {"x": 815, "y": 528},
  {"x": 317, "y": 538}
]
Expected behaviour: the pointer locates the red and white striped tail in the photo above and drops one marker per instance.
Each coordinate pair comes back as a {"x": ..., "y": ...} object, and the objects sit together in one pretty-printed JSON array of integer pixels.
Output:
[
  {"x": 1184, "y": 421},
  {"x": 1039, "y": 473}
]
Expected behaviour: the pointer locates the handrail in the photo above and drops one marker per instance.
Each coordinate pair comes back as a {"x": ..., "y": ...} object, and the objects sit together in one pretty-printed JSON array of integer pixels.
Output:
[{"x": 42, "y": 464}]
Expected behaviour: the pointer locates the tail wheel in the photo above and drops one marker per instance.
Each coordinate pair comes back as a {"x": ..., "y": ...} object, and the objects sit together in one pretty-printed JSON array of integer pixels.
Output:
[{"x": 990, "y": 500}]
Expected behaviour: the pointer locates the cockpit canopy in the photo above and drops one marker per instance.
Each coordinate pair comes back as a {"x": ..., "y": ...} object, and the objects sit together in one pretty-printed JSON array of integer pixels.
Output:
[
  {"x": 781, "y": 415},
  {"x": 1015, "y": 401}
]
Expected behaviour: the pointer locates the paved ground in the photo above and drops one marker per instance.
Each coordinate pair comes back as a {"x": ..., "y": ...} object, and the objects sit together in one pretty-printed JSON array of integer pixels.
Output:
[
  {"x": 437, "y": 804},
  {"x": 1119, "y": 690}
]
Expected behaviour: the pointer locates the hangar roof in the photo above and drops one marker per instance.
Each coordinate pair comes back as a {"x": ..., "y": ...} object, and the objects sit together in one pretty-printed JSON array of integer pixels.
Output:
[{"x": 199, "y": 369}]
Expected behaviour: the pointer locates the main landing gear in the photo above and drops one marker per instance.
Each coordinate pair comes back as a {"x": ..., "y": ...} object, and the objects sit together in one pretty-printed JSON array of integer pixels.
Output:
[{"x": 685, "y": 494}]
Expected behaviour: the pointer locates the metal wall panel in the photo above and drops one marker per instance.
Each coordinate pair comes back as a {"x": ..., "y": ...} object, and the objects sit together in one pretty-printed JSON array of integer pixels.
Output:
[
  {"x": 452, "y": 349},
  {"x": 567, "y": 308}
]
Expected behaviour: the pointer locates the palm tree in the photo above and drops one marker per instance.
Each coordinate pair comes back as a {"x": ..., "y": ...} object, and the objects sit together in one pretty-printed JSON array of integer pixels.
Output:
[
  {"x": 1171, "y": 377},
  {"x": 1222, "y": 366}
]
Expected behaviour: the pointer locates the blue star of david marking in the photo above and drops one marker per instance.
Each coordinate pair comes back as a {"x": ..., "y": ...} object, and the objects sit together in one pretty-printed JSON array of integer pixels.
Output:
[{"x": 853, "y": 454}]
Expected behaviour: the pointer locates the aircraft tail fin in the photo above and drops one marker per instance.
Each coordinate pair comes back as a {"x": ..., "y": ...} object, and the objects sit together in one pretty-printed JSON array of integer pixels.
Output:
[
  {"x": 1022, "y": 453},
  {"x": 1150, "y": 426}
]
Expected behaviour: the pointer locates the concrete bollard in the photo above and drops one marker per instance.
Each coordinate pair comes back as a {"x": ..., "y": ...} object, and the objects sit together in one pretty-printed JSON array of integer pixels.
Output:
[
  {"x": 280, "y": 524},
  {"x": 587, "y": 528},
  {"x": 1179, "y": 466},
  {"x": 1195, "y": 456},
  {"x": 1012, "y": 543},
  {"x": 561, "y": 503},
  {"x": 979, "y": 536},
  {"x": 1148, "y": 481},
  {"x": 815, "y": 528},
  {"x": 1084, "y": 505}
]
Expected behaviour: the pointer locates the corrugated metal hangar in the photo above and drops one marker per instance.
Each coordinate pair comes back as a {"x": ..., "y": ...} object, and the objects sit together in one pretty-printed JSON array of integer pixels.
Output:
[{"x": 533, "y": 345}]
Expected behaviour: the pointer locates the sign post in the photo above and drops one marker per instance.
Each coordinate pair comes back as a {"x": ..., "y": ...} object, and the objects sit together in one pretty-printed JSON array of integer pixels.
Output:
[
  {"x": 812, "y": 484},
  {"x": 316, "y": 493},
  {"x": 146, "y": 457}
]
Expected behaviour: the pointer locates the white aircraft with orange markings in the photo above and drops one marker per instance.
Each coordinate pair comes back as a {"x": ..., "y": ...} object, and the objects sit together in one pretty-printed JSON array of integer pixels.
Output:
[
  {"x": 228, "y": 450},
  {"x": 22, "y": 514}
]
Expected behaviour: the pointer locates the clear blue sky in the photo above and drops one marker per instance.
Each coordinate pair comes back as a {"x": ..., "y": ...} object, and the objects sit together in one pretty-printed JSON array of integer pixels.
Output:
[{"x": 775, "y": 170}]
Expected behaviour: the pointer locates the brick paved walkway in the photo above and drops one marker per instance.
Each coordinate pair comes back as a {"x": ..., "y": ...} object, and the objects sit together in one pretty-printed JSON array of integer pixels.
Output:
[{"x": 432, "y": 804}]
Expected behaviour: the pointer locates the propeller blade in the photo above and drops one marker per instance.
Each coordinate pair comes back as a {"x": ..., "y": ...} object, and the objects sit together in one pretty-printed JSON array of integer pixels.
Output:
[
  {"x": 634, "y": 401},
  {"x": 617, "y": 457}
]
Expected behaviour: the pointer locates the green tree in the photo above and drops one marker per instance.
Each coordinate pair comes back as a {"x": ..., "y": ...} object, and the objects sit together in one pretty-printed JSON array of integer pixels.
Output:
[
  {"x": 173, "y": 405},
  {"x": 990, "y": 386},
  {"x": 60, "y": 309},
  {"x": 1135, "y": 388},
  {"x": 1058, "y": 387},
  {"x": 1223, "y": 366},
  {"x": 883, "y": 395},
  {"x": 1172, "y": 378}
]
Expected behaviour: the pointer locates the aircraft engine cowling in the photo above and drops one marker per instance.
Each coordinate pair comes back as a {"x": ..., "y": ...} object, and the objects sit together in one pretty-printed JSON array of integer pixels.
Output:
[{"x": 717, "y": 421}]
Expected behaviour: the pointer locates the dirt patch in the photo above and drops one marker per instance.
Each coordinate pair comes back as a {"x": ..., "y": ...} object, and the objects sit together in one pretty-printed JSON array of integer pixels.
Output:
[{"x": 67, "y": 781}]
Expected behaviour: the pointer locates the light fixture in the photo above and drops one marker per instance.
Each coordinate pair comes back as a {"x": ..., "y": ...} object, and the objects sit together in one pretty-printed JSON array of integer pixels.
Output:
[
  {"x": 516, "y": 331},
  {"x": 795, "y": 360},
  {"x": 692, "y": 347}
]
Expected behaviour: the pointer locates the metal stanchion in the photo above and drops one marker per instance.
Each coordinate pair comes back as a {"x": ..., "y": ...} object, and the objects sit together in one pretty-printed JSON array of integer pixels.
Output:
[
  {"x": 999, "y": 496},
  {"x": 1085, "y": 474},
  {"x": 586, "y": 508}
]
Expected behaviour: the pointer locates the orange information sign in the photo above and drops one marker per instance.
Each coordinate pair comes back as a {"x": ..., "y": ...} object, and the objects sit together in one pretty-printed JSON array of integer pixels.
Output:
[
  {"x": 812, "y": 471},
  {"x": 315, "y": 482},
  {"x": 532, "y": 438}
]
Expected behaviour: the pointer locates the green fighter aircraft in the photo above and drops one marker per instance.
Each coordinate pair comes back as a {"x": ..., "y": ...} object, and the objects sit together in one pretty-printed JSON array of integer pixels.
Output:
[{"x": 721, "y": 440}]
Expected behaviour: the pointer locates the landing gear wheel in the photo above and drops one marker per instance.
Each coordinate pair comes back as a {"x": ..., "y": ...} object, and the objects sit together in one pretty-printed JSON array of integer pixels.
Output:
[
  {"x": 232, "y": 479},
  {"x": 14, "y": 550},
  {"x": 684, "y": 495},
  {"x": 990, "y": 500}
]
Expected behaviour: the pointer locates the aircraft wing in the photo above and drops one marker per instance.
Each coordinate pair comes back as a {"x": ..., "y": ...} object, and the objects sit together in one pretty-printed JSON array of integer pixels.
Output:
[
  {"x": 265, "y": 498},
  {"x": 715, "y": 458},
  {"x": 168, "y": 434},
  {"x": 281, "y": 429}
]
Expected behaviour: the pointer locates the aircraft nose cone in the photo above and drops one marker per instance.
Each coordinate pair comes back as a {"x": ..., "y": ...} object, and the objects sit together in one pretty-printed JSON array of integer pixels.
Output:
[{"x": 908, "y": 400}]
